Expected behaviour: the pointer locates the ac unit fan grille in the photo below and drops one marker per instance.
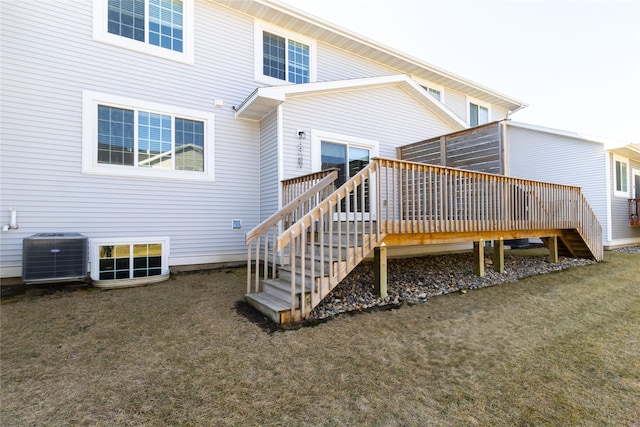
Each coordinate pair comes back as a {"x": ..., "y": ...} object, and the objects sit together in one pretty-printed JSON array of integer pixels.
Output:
[{"x": 54, "y": 257}]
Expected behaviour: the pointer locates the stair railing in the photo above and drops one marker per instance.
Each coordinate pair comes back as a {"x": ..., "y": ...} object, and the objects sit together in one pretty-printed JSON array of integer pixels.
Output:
[
  {"x": 332, "y": 238},
  {"x": 304, "y": 194}
]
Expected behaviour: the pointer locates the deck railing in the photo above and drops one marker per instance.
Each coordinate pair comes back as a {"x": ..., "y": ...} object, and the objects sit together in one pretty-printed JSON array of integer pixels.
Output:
[
  {"x": 302, "y": 195},
  {"x": 420, "y": 198}
]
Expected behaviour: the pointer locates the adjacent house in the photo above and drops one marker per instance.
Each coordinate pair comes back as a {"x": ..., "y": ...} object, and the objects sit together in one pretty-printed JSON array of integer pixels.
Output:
[{"x": 168, "y": 132}]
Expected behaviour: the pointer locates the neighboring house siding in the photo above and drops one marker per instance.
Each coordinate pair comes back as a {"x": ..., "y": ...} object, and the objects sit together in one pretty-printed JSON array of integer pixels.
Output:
[
  {"x": 398, "y": 119},
  {"x": 48, "y": 58},
  {"x": 562, "y": 160},
  {"x": 268, "y": 166},
  {"x": 620, "y": 228}
]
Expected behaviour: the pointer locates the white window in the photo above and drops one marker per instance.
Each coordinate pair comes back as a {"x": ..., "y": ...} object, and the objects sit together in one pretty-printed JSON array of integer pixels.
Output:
[
  {"x": 128, "y": 137},
  {"x": 283, "y": 57},
  {"x": 129, "y": 260},
  {"x": 478, "y": 113},
  {"x": 621, "y": 176},
  {"x": 432, "y": 89},
  {"x": 435, "y": 93},
  {"x": 158, "y": 27}
]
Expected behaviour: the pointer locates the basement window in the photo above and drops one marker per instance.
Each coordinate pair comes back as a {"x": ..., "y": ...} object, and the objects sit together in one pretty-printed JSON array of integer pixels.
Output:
[{"x": 128, "y": 262}]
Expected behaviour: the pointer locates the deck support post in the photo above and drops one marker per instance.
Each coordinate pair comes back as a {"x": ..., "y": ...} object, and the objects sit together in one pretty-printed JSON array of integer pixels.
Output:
[
  {"x": 478, "y": 258},
  {"x": 380, "y": 270},
  {"x": 553, "y": 250},
  {"x": 498, "y": 255}
]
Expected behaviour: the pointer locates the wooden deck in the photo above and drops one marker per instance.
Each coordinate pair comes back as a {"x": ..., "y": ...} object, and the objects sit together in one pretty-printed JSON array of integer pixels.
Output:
[{"x": 302, "y": 252}]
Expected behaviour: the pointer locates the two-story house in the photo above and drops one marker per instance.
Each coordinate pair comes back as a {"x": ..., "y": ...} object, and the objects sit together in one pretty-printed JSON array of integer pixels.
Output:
[{"x": 165, "y": 130}]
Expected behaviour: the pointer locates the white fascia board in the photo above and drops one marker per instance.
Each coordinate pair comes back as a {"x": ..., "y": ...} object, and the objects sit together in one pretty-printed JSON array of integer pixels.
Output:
[{"x": 560, "y": 132}]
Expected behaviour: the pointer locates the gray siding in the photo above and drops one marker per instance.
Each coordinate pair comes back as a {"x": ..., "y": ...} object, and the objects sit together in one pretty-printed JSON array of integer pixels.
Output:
[
  {"x": 457, "y": 102},
  {"x": 560, "y": 159},
  {"x": 268, "y": 166},
  {"x": 620, "y": 228},
  {"x": 48, "y": 58},
  {"x": 388, "y": 115},
  {"x": 498, "y": 113},
  {"x": 353, "y": 67}
]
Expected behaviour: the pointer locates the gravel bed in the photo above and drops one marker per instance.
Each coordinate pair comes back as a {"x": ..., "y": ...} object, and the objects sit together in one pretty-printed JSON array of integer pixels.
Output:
[
  {"x": 628, "y": 250},
  {"x": 416, "y": 280}
]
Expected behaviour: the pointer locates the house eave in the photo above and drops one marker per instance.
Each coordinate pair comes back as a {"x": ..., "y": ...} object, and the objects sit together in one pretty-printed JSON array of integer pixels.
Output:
[
  {"x": 630, "y": 151},
  {"x": 263, "y": 100},
  {"x": 298, "y": 21}
]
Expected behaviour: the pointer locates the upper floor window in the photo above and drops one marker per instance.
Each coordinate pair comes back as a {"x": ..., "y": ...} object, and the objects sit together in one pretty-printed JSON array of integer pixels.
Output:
[
  {"x": 621, "y": 176},
  {"x": 158, "y": 27},
  {"x": 434, "y": 92},
  {"x": 433, "y": 89},
  {"x": 478, "y": 114},
  {"x": 283, "y": 58},
  {"x": 135, "y": 138}
]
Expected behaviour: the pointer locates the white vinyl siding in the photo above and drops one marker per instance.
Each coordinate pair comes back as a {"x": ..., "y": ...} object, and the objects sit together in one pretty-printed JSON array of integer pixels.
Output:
[
  {"x": 457, "y": 102},
  {"x": 269, "y": 182},
  {"x": 44, "y": 72},
  {"x": 560, "y": 159},
  {"x": 402, "y": 121}
]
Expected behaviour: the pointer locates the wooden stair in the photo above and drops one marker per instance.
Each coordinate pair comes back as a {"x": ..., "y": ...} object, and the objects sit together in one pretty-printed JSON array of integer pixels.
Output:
[
  {"x": 571, "y": 244},
  {"x": 335, "y": 256}
]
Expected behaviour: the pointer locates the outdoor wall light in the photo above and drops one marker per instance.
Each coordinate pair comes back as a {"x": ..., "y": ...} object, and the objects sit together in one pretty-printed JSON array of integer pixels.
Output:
[{"x": 302, "y": 134}]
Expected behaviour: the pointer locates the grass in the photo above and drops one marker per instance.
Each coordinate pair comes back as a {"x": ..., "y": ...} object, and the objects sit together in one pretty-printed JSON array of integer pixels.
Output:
[{"x": 559, "y": 349}]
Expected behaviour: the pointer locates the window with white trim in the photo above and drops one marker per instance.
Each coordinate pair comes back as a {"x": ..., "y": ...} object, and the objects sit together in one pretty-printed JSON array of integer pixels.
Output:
[
  {"x": 282, "y": 57},
  {"x": 433, "y": 92},
  {"x": 158, "y": 27},
  {"x": 621, "y": 176},
  {"x": 120, "y": 259},
  {"x": 128, "y": 137},
  {"x": 478, "y": 114}
]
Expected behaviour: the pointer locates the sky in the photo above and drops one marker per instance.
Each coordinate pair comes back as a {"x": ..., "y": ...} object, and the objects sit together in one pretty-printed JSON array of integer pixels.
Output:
[{"x": 575, "y": 63}]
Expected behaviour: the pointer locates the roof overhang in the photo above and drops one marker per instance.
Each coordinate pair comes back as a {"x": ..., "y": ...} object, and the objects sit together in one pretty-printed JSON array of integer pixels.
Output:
[
  {"x": 622, "y": 148},
  {"x": 630, "y": 151},
  {"x": 298, "y": 21},
  {"x": 263, "y": 100}
]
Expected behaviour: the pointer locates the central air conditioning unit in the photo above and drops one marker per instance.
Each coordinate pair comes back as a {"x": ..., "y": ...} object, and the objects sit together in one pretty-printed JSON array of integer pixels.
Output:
[{"x": 54, "y": 257}]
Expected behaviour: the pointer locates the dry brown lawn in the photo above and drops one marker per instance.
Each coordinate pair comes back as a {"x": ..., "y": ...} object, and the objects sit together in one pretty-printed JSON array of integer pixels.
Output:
[{"x": 556, "y": 350}]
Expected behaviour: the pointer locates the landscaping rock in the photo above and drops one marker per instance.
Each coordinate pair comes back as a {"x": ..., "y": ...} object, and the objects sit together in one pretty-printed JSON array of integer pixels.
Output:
[{"x": 416, "y": 280}]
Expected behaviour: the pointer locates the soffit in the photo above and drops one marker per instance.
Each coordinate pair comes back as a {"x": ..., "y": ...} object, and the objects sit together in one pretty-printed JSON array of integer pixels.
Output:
[{"x": 630, "y": 151}]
